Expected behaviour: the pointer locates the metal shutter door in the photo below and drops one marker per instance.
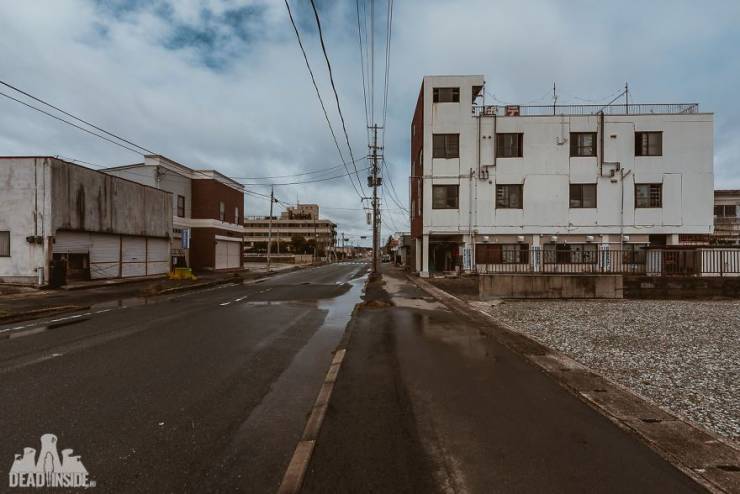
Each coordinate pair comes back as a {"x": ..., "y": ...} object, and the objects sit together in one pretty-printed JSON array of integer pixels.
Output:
[
  {"x": 134, "y": 256},
  {"x": 233, "y": 254},
  {"x": 158, "y": 256},
  {"x": 71, "y": 243},
  {"x": 105, "y": 256},
  {"x": 222, "y": 254}
]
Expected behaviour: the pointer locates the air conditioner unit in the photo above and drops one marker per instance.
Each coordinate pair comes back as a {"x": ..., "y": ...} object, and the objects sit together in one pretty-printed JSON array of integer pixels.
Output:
[
  {"x": 626, "y": 238},
  {"x": 554, "y": 238},
  {"x": 486, "y": 238},
  {"x": 520, "y": 238}
]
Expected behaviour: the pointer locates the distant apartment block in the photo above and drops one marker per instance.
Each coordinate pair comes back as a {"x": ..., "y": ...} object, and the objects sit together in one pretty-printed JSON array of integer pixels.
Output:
[
  {"x": 301, "y": 220},
  {"x": 489, "y": 184},
  {"x": 61, "y": 222},
  {"x": 208, "y": 209}
]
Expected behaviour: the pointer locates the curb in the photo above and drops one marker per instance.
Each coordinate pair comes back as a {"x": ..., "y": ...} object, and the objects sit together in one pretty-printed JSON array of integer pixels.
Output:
[
  {"x": 123, "y": 281},
  {"x": 708, "y": 460},
  {"x": 39, "y": 313},
  {"x": 296, "y": 471}
]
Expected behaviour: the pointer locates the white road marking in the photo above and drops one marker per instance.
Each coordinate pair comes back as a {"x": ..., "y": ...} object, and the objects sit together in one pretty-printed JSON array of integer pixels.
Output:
[{"x": 225, "y": 303}]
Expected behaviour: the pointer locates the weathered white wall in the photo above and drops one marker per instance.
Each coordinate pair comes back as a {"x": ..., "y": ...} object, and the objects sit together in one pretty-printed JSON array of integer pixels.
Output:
[
  {"x": 546, "y": 169},
  {"x": 24, "y": 211}
]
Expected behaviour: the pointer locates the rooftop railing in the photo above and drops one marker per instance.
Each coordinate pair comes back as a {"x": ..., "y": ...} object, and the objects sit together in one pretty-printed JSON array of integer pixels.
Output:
[{"x": 614, "y": 109}]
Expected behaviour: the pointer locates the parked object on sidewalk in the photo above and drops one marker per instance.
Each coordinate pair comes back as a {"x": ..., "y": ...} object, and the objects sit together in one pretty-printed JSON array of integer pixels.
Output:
[
  {"x": 182, "y": 274},
  {"x": 68, "y": 222}
]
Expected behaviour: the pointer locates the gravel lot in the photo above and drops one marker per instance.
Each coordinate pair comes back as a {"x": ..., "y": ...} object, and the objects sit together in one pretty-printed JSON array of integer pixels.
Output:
[{"x": 683, "y": 355}]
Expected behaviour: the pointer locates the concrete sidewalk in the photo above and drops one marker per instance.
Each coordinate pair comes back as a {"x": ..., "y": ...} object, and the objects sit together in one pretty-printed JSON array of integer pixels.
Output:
[{"x": 429, "y": 400}]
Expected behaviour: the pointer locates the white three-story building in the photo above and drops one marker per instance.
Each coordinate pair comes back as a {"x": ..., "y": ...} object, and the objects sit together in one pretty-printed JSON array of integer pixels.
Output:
[{"x": 489, "y": 183}]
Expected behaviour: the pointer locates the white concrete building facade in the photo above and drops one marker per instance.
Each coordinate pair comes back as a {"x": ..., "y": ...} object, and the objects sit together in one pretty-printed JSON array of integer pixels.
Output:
[
  {"x": 88, "y": 224},
  {"x": 489, "y": 182}
]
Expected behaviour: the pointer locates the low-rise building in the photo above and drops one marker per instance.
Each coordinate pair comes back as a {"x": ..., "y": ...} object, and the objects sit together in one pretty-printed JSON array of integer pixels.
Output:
[
  {"x": 498, "y": 184},
  {"x": 300, "y": 221},
  {"x": 207, "y": 211},
  {"x": 61, "y": 222},
  {"x": 726, "y": 217}
]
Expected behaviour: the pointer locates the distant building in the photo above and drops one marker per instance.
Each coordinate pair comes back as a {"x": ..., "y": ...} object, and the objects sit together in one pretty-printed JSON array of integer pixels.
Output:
[
  {"x": 490, "y": 184},
  {"x": 726, "y": 217},
  {"x": 301, "y": 220},
  {"x": 207, "y": 211},
  {"x": 61, "y": 222}
]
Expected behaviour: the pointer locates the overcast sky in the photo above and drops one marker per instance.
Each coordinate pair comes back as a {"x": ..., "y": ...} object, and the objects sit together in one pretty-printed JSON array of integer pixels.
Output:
[{"x": 222, "y": 83}]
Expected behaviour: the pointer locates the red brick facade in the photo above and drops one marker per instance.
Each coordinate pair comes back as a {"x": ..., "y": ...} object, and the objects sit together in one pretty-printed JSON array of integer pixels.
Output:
[{"x": 417, "y": 166}]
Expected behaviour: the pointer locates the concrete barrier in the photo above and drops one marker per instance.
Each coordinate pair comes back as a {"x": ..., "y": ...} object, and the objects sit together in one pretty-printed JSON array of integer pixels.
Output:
[{"x": 549, "y": 286}]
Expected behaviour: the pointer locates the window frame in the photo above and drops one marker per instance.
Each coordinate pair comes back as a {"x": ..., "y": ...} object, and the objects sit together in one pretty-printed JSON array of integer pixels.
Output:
[
  {"x": 222, "y": 211},
  {"x": 576, "y": 148},
  {"x": 7, "y": 232},
  {"x": 447, "y": 187},
  {"x": 580, "y": 187},
  {"x": 447, "y": 148},
  {"x": 178, "y": 206},
  {"x": 724, "y": 208},
  {"x": 650, "y": 197},
  {"x": 641, "y": 151},
  {"x": 501, "y": 145},
  {"x": 507, "y": 204},
  {"x": 452, "y": 92}
]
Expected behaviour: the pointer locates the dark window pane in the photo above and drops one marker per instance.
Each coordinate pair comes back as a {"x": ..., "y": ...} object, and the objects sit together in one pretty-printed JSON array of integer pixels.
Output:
[
  {"x": 509, "y": 145},
  {"x": 444, "y": 196},
  {"x": 509, "y": 196},
  {"x": 583, "y": 143},
  {"x": 648, "y": 143},
  {"x": 446, "y": 95}
]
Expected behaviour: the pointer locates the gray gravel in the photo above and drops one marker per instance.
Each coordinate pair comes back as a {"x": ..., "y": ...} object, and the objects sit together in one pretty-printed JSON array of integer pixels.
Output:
[{"x": 683, "y": 355}]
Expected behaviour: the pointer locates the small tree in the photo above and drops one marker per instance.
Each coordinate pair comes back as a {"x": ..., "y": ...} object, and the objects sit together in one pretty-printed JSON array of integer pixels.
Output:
[{"x": 298, "y": 243}]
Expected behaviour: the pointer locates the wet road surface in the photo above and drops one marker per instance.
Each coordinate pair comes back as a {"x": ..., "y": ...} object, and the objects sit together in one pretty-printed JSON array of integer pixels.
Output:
[
  {"x": 429, "y": 402},
  {"x": 200, "y": 392}
]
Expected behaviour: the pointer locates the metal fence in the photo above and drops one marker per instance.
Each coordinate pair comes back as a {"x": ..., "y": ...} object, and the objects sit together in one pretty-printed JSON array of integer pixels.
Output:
[
  {"x": 659, "y": 262},
  {"x": 614, "y": 109}
]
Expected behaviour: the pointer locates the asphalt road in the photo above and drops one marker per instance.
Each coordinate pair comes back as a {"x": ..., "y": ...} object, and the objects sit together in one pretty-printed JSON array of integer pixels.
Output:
[
  {"x": 206, "y": 391},
  {"x": 428, "y": 401}
]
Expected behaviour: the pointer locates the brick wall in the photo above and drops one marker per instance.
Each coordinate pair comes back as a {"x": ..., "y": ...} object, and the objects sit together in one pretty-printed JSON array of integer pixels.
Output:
[{"x": 208, "y": 193}]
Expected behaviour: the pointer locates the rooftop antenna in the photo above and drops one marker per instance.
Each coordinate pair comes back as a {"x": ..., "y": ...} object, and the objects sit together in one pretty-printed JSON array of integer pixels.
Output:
[
  {"x": 626, "y": 97},
  {"x": 554, "y": 98}
]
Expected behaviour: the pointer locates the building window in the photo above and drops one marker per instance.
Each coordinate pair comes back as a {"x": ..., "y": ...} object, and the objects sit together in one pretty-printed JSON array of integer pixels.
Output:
[
  {"x": 648, "y": 144},
  {"x": 502, "y": 254},
  {"x": 446, "y": 95},
  {"x": 236, "y": 216},
  {"x": 509, "y": 145},
  {"x": 509, "y": 196},
  {"x": 583, "y": 144},
  {"x": 582, "y": 195},
  {"x": 633, "y": 254},
  {"x": 181, "y": 206},
  {"x": 648, "y": 195},
  {"x": 446, "y": 146},
  {"x": 725, "y": 211},
  {"x": 221, "y": 211},
  {"x": 445, "y": 196},
  {"x": 4, "y": 244}
]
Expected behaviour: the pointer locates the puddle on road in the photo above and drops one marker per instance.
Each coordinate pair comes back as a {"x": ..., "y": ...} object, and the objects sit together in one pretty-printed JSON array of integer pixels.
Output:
[{"x": 340, "y": 308}]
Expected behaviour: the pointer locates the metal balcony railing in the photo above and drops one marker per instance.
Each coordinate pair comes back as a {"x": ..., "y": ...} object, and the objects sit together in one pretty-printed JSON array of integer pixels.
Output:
[{"x": 615, "y": 109}]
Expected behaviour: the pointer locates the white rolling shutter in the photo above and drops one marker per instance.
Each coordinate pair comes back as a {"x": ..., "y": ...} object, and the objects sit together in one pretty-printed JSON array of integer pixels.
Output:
[
  {"x": 234, "y": 255},
  {"x": 222, "y": 254},
  {"x": 158, "y": 256},
  {"x": 105, "y": 256},
  {"x": 134, "y": 256},
  {"x": 71, "y": 243}
]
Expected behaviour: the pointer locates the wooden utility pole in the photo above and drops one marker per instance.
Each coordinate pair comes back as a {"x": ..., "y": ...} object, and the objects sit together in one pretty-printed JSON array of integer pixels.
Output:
[
  {"x": 374, "y": 182},
  {"x": 269, "y": 228}
]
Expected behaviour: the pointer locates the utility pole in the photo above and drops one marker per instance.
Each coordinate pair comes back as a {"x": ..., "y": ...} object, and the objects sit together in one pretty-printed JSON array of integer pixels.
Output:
[
  {"x": 269, "y": 228},
  {"x": 374, "y": 181}
]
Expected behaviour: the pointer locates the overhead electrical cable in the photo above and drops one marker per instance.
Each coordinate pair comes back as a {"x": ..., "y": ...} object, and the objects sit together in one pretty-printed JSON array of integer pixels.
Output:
[
  {"x": 334, "y": 87},
  {"x": 321, "y": 101}
]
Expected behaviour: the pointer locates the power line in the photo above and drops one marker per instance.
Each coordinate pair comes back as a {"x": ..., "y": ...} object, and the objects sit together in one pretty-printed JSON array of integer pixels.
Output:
[
  {"x": 321, "y": 100},
  {"x": 362, "y": 62},
  {"x": 333, "y": 86},
  {"x": 312, "y": 181},
  {"x": 387, "y": 62},
  {"x": 71, "y": 123},
  {"x": 75, "y": 117}
]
